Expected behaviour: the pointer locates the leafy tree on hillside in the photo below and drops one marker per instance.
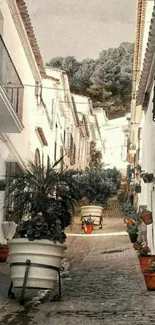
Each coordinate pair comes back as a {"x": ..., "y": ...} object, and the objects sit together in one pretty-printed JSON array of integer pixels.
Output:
[{"x": 107, "y": 80}]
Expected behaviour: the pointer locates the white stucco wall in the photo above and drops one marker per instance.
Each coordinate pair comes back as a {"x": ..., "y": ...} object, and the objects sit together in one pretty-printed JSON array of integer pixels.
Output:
[
  {"x": 147, "y": 149},
  {"x": 56, "y": 109},
  {"x": 21, "y": 147},
  {"x": 115, "y": 144},
  {"x": 147, "y": 196}
]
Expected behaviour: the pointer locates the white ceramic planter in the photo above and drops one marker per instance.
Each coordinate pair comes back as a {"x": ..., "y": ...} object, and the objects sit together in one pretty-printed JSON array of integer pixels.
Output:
[
  {"x": 9, "y": 229},
  {"x": 37, "y": 251},
  {"x": 94, "y": 211}
]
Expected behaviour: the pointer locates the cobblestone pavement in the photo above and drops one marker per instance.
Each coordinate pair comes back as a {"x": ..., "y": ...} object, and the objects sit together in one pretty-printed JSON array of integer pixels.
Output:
[{"x": 102, "y": 285}]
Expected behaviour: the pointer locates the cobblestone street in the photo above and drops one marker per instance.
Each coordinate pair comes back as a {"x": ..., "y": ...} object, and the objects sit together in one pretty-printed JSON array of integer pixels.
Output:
[{"x": 102, "y": 284}]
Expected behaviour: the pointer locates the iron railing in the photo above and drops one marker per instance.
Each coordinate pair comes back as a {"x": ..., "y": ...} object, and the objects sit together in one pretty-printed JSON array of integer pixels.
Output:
[{"x": 9, "y": 79}]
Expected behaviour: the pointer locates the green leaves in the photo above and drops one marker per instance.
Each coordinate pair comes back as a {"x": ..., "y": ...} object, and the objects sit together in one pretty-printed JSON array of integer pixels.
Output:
[
  {"x": 96, "y": 186},
  {"x": 43, "y": 189},
  {"x": 40, "y": 228},
  {"x": 107, "y": 80}
]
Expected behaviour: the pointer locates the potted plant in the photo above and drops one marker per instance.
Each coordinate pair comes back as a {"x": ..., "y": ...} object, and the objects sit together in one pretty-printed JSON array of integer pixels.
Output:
[
  {"x": 137, "y": 188},
  {"x": 146, "y": 216},
  {"x": 84, "y": 202},
  {"x": 44, "y": 200},
  {"x": 4, "y": 250},
  {"x": 96, "y": 188},
  {"x": 88, "y": 225},
  {"x": 149, "y": 276},
  {"x": 144, "y": 255},
  {"x": 9, "y": 225},
  {"x": 132, "y": 229}
]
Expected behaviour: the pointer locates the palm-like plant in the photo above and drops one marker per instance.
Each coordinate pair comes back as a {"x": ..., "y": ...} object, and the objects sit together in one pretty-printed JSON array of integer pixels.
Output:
[{"x": 48, "y": 197}]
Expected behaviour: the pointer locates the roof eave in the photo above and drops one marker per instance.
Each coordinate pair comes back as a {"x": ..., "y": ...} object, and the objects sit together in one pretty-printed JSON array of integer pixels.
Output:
[{"x": 148, "y": 63}]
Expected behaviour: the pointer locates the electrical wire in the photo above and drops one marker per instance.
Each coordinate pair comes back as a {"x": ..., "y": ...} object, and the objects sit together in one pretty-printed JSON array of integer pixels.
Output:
[{"x": 60, "y": 101}]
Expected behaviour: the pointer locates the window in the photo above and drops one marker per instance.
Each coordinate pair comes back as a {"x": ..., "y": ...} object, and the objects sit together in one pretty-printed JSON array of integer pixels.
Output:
[
  {"x": 48, "y": 161},
  {"x": 37, "y": 157},
  {"x": 62, "y": 161},
  {"x": 64, "y": 136},
  {"x": 55, "y": 145},
  {"x": 55, "y": 151},
  {"x": 12, "y": 168}
]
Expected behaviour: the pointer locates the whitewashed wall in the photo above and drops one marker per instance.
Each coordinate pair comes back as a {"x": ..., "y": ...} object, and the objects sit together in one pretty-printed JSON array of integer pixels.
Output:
[{"x": 115, "y": 144}]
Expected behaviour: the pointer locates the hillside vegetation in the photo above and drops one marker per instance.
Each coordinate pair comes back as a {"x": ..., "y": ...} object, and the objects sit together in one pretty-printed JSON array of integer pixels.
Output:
[{"x": 107, "y": 80}]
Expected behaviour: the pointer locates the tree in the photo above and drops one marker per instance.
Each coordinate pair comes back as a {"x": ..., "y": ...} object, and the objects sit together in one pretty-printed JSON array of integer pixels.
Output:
[
  {"x": 107, "y": 80},
  {"x": 96, "y": 187},
  {"x": 95, "y": 158}
]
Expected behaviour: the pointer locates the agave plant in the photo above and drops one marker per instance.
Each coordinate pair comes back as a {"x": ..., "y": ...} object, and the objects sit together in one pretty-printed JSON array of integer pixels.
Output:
[{"x": 46, "y": 198}]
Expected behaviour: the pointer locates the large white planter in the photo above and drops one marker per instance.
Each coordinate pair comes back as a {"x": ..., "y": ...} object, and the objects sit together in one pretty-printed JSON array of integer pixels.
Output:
[
  {"x": 9, "y": 229},
  {"x": 94, "y": 211},
  {"x": 37, "y": 251}
]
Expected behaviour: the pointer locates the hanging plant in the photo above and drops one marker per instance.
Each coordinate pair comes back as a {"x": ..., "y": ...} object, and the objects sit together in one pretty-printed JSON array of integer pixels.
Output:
[{"x": 138, "y": 188}]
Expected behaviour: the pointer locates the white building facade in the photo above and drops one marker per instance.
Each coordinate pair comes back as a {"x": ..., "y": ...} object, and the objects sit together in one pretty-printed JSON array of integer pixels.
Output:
[
  {"x": 142, "y": 109},
  {"x": 40, "y": 120}
]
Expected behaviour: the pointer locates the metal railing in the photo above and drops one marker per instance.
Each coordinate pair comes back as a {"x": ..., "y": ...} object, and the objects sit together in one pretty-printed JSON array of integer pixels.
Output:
[{"x": 9, "y": 79}]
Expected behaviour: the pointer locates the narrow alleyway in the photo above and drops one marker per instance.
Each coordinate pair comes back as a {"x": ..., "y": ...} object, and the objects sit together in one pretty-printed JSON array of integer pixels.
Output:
[{"x": 103, "y": 285}]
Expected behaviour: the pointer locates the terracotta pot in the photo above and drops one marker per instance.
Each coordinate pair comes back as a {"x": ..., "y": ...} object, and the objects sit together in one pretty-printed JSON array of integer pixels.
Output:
[
  {"x": 133, "y": 237},
  {"x": 88, "y": 229},
  {"x": 145, "y": 261},
  {"x": 147, "y": 217},
  {"x": 3, "y": 255},
  {"x": 149, "y": 280}
]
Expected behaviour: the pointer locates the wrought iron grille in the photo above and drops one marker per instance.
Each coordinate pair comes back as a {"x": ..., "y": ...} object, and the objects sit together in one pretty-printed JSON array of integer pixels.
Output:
[{"x": 9, "y": 79}]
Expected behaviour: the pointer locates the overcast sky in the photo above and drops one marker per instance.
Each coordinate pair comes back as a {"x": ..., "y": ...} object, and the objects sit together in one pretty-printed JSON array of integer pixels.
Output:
[{"x": 82, "y": 28}]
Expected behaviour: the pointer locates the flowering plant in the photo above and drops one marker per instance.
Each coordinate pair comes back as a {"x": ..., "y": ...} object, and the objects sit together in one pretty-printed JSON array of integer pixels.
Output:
[
  {"x": 39, "y": 227},
  {"x": 141, "y": 248},
  {"x": 84, "y": 202},
  {"x": 130, "y": 222},
  {"x": 131, "y": 226}
]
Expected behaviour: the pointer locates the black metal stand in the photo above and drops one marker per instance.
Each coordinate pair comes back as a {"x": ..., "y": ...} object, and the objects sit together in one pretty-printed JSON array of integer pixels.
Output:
[
  {"x": 100, "y": 222},
  {"x": 28, "y": 264}
]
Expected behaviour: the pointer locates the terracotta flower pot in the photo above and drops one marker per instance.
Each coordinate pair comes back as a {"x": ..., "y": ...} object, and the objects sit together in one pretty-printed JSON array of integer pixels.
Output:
[
  {"x": 133, "y": 237},
  {"x": 3, "y": 254},
  {"x": 145, "y": 261},
  {"x": 147, "y": 217},
  {"x": 88, "y": 229},
  {"x": 149, "y": 280}
]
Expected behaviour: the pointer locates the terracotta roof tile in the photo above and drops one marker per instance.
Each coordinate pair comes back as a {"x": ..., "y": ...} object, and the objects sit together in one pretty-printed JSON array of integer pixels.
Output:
[
  {"x": 31, "y": 36},
  {"x": 148, "y": 63}
]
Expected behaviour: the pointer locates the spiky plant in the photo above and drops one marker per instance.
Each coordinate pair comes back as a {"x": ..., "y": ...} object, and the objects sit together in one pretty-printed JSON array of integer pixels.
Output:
[{"x": 48, "y": 197}]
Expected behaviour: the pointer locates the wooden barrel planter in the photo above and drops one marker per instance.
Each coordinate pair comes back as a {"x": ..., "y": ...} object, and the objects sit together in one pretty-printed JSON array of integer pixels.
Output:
[
  {"x": 149, "y": 280},
  {"x": 147, "y": 217},
  {"x": 145, "y": 261}
]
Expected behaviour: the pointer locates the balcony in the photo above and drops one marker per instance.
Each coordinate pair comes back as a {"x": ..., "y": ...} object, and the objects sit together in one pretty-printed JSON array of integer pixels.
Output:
[{"x": 11, "y": 94}]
